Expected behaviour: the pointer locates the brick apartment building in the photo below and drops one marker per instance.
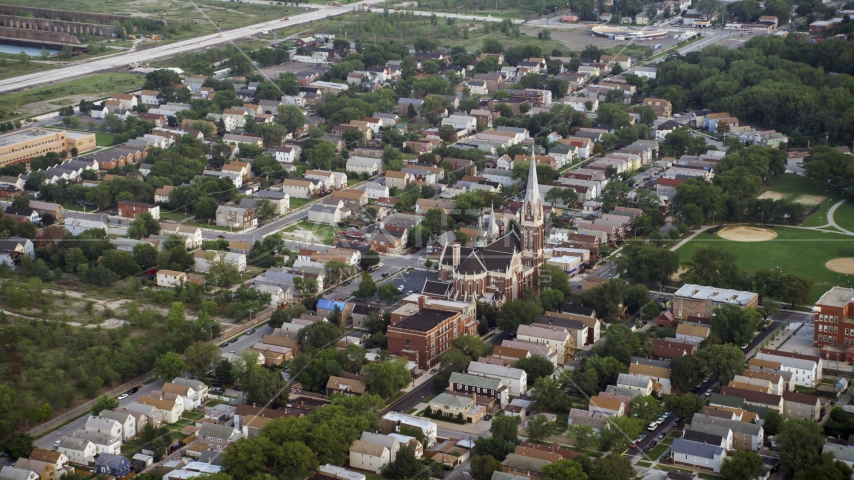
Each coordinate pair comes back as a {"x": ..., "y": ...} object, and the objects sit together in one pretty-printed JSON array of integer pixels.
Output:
[
  {"x": 129, "y": 209},
  {"x": 833, "y": 329},
  {"x": 423, "y": 333}
]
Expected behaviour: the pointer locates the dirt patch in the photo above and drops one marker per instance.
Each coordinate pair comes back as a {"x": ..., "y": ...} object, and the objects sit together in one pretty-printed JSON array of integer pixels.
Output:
[
  {"x": 302, "y": 235},
  {"x": 675, "y": 276},
  {"x": 747, "y": 234},
  {"x": 841, "y": 265},
  {"x": 811, "y": 200},
  {"x": 773, "y": 195}
]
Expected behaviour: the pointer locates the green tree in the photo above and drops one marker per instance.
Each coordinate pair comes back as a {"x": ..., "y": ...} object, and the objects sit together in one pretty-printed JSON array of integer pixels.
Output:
[
  {"x": 319, "y": 335},
  {"x": 367, "y": 287},
  {"x": 483, "y": 466},
  {"x": 200, "y": 356},
  {"x": 369, "y": 259},
  {"x": 773, "y": 422},
  {"x": 168, "y": 366},
  {"x": 144, "y": 254},
  {"x": 646, "y": 408},
  {"x": 563, "y": 469},
  {"x": 143, "y": 225},
  {"x": 685, "y": 372},
  {"x": 518, "y": 312},
  {"x": 620, "y": 433},
  {"x": 713, "y": 267},
  {"x": 452, "y": 361},
  {"x": 799, "y": 443},
  {"x": 105, "y": 402},
  {"x": 291, "y": 117},
  {"x": 549, "y": 396},
  {"x": 224, "y": 371},
  {"x": 388, "y": 292},
  {"x": 536, "y": 366},
  {"x": 725, "y": 361},
  {"x": 741, "y": 465},
  {"x": 539, "y": 427},
  {"x": 472, "y": 346},
  {"x": 583, "y": 437},
  {"x": 612, "y": 467},
  {"x": 387, "y": 378},
  {"x": 506, "y": 428},
  {"x": 733, "y": 324},
  {"x": 683, "y": 406},
  {"x": 405, "y": 466},
  {"x": 647, "y": 263},
  {"x": 18, "y": 445}
]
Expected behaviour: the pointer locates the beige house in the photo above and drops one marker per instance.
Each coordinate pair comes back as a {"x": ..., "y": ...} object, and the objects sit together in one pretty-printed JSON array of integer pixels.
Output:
[
  {"x": 192, "y": 235},
  {"x": 776, "y": 381},
  {"x": 661, "y": 376},
  {"x": 77, "y": 450},
  {"x": 398, "y": 180},
  {"x": 459, "y": 406},
  {"x": 171, "y": 409},
  {"x": 42, "y": 470},
  {"x": 170, "y": 278},
  {"x": 691, "y": 333},
  {"x": 801, "y": 406},
  {"x": 162, "y": 194},
  {"x": 53, "y": 457},
  {"x": 368, "y": 456},
  {"x": 244, "y": 169},
  {"x": 354, "y": 195},
  {"x": 638, "y": 383},
  {"x": 559, "y": 339},
  {"x": 608, "y": 406},
  {"x": 299, "y": 188}
]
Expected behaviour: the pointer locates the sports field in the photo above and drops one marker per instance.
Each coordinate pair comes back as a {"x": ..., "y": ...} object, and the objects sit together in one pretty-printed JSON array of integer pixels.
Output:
[
  {"x": 844, "y": 216},
  {"x": 794, "y": 250},
  {"x": 797, "y": 188}
]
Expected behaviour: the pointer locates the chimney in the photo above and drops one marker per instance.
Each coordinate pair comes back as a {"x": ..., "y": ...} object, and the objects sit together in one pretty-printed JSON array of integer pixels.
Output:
[
  {"x": 456, "y": 253},
  {"x": 422, "y": 302}
]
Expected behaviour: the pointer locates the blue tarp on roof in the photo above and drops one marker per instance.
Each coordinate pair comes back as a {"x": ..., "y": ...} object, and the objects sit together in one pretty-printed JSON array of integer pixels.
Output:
[{"x": 330, "y": 305}]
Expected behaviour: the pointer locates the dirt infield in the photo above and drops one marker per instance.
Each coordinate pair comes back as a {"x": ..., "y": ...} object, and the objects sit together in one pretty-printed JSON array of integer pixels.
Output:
[
  {"x": 810, "y": 200},
  {"x": 841, "y": 265},
  {"x": 747, "y": 234},
  {"x": 773, "y": 195}
]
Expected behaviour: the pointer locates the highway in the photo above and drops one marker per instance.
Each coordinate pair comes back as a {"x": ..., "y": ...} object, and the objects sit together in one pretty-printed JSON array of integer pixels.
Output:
[{"x": 103, "y": 64}]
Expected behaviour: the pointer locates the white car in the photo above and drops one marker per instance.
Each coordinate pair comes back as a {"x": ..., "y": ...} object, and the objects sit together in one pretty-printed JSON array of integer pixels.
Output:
[
  {"x": 400, "y": 288},
  {"x": 652, "y": 426},
  {"x": 123, "y": 396}
]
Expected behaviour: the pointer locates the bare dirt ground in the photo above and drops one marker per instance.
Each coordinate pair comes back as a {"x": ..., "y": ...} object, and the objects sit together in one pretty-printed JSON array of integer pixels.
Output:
[
  {"x": 810, "y": 200},
  {"x": 275, "y": 70},
  {"x": 747, "y": 234},
  {"x": 841, "y": 265},
  {"x": 773, "y": 195}
]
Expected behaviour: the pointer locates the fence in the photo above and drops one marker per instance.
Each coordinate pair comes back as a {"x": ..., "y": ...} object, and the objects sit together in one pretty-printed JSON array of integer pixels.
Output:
[{"x": 84, "y": 407}]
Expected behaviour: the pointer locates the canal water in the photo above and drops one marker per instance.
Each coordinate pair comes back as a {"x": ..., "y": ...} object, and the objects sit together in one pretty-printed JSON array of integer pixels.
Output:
[{"x": 16, "y": 49}]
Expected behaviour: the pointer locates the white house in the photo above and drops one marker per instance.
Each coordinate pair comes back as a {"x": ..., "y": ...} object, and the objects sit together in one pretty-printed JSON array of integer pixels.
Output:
[
  {"x": 106, "y": 425},
  {"x": 387, "y": 441},
  {"x": 76, "y": 226},
  {"x": 280, "y": 200},
  {"x": 638, "y": 383},
  {"x": 299, "y": 188},
  {"x": 78, "y": 450},
  {"x": 397, "y": 420},
  {"x": 371, "y": 166},
  {"x": 555, "y": 337},
  {"x": 375, "y": 190},
  {"x": 477, "y": 87},
  {"x": 127, "y": 421},
  {"x": 697, "y": 455},
  {"x": 804, "y": 371},
  {"x": 104, "y": 442},
  {"x": 516, "y": 379},
  {"x": 691, "y": 333},
  {"x": 15, "y": 473},
  {"x": 170, "y": 278},
  {"x": 286, "y": 154},
  {"x": 368, "y": 456},
  {"x": 580, "y": 103},
  {"x": 461, "y": 122},
  {"x": 12, "y": 248},
  {"x": 204, "y": 259}
]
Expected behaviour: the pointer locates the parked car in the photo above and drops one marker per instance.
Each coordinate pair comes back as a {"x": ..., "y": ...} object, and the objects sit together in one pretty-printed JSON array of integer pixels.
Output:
[
  {"x": 385, "y": 274},
  {"x": 123, "y": 396},
  {"x": 400, "y": 288},
  {"x": 250, "y": 331}
]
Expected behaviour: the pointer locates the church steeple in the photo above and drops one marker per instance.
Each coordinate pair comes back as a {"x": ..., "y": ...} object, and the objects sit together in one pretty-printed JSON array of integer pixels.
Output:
[
  {"x": 492, "y": 227},
  {"x": 532, "y": 226}
]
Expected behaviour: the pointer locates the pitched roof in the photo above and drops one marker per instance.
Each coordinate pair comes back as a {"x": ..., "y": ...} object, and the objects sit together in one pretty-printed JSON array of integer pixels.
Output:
[
  {"x": 692, "y": 330},
  {"x": 368, "y": 448},
  {"x": 700, "y": 419},
  {"x": 804, "y": 398},
  {"x": 543, "y": 331},
  {"x": 42, "y": 455},
  {"x": 649, "y": 370},
  {"x": 606, "y": 403},
  {"x": 697, "y": 449},
  {"x": 751, "y": 396},
  {"x": 217, "y": 431},
  {"x": 339, "y": 383},
  {"x": 525, "y": 463},
  {"x": 633, "y": 380},
  {"x": 476, "y": 381},
  {"x": 449, "y": 399}
]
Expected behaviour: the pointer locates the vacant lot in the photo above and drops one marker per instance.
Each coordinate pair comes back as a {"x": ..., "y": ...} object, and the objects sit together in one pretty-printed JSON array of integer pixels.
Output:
[
  {"x": 189, "y": 18},
  {"x": 804, "y": 252},
  {"x": 42, "y": 99}
]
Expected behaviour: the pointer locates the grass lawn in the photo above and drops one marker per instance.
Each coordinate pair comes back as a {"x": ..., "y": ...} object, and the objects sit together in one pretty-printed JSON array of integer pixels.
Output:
[
  {"x": 667, "y": 469},
  {"x": 11, "y": 68},
  {"x": 95, "y": 86},
  {"x": 176, "y": 216},
  {"x": 212, "y": 226},
  {"x": 797, "y": 185},
  {"x": 645, "y": 464},
  {"x": 658, "y": 450},
  {"x": 299, "y": 202},
  {"x": 352, "y": 181},
  {"x": 844, "y": 216},
  {"x": 804, "y": 252},
  {"x": 326, "y": 232},
  {"x": 105, "y": 139}
]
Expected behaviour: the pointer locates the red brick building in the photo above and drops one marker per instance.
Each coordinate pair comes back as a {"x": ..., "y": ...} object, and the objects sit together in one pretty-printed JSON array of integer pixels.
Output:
[
  {"x": 833, "y": 329},
  {"x": 423, "y": 333},
  {"x": 129, "y": 209}
]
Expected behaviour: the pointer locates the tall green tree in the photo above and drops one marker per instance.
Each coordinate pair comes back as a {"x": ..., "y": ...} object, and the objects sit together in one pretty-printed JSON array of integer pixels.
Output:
[
  {"x": 725, "y": 361},
  {"x": 741, "y": 465}
]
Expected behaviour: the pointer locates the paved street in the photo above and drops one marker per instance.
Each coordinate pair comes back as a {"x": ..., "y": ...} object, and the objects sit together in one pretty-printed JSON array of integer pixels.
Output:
[
  {"x": 49, "y": 439},
  {"x": 172, "y": 49}
]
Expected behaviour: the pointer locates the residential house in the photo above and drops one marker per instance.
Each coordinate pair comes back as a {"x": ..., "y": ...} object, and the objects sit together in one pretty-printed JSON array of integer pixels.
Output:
[
  {"x": 192, "y": 235},
  {"x": 286, "y": 154},
  {"x": 660, "y": 106},
  {"x": 492, "y": 388},
  {"x": 745, "y": 435},
  {"x": 217, "y": 437},
  {"x": 104, "y": 442},
  {"x": 126, "y": 420},
  {"x": 369, "y": 456},
  {"x": 529, "y": 467},
  {"x": 697, "y": 455},
  {"x": 457, "y": 406},
  {"x": 515, "y": 379},
  {"x": 104, "y": 425},
  {"x": 557, "y": 338},
  {"x": 639, "y": 383},
  {"x": 113, "y": 465},
  {"x": 660, "y": 375},
  {"x": 26, "y": 469},
  {"x": 398, "y": 180},
  {"x": 394, "y": 422},
  {"x": 371, "y": 166},
  {"x": 300, "y": 188},
  {"x": 171, "y": 409},
  {"x": 806, "y": 369},
  {"x": 204, "y": 259},
  {"x": 691, "y": 333},
  {"x": 170, "y": 278},
  {"x": 78, "y": 450},
  {"x": 53, "y": 457},
  {"x": 130, "y": 209},
  {"x": 236, "y": 217},
  {"x": 607, "y": 406},
  {"x": 345, "y": 386},
  {"x": 801, "y": 406}
]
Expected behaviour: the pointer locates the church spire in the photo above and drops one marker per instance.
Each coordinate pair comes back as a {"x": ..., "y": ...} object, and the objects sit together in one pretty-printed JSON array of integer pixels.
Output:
[
  {"x": 492, "y": 227},
  {"x": 532, "y": 192}
]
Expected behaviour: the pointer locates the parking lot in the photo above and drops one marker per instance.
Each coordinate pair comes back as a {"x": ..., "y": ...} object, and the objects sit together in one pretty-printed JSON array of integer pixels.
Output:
[{"x": 579, "y": 37}]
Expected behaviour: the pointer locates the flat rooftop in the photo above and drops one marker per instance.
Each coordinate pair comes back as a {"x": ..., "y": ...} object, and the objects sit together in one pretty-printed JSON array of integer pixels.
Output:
[
  {"x": 425, "y": 320},
  {"x": 722, "y": 295},
  {"x": 837, "y": 297},
  {"x": 24, "y": 136}
]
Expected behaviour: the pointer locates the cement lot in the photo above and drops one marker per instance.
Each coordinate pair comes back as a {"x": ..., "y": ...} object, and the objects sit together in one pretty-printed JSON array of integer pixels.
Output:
[
  {"x": 579, "y": 37},
  {"x": 274, "y": 70}
]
